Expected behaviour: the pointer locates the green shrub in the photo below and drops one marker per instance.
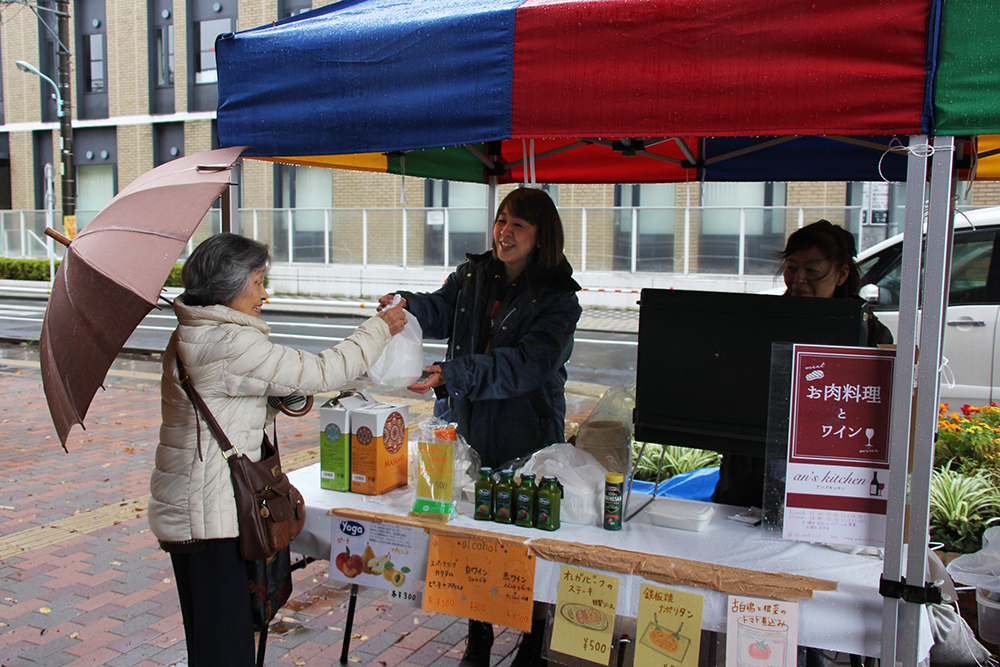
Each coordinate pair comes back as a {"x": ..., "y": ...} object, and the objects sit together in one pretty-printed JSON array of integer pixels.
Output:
[
  {"x": 174, "y": 279},
  {"x": 963, "y": 505},
  {"x": 676, "y": 460},
  {"x": 24, "y": 269}
]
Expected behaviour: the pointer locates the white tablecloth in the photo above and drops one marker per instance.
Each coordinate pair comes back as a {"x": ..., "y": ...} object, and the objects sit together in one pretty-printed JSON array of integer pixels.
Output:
[{"x": 848, "y": 619}]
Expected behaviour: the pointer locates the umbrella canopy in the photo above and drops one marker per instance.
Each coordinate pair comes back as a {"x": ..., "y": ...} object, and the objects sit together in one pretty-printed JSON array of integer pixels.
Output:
[
  {"x": 113, "y": 272},
  {"x": 713, "y": 90}
]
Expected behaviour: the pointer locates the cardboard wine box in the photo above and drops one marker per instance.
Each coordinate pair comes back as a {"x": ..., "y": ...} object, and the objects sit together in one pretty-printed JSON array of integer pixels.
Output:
[{"x": 379, "y": 448}]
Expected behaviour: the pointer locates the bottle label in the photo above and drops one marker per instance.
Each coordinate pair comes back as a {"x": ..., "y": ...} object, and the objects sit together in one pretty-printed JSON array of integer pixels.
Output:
[
  {"x": 544, "y": 502},
  {"x": 523, "y": 498},
  {"x": 484, "y": 495},
  {"x": 503, "y": 496}
]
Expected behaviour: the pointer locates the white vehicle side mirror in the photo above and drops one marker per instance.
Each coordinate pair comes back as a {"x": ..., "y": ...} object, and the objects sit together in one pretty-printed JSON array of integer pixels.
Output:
[{"x": 869, "y": 293}]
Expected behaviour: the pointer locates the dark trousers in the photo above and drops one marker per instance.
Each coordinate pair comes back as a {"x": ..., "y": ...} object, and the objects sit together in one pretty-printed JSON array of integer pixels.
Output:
[{"x": 215, "y": 605}]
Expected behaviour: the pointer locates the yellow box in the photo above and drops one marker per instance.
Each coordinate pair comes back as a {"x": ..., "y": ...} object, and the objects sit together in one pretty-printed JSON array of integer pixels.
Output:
[
  {"x": 379, "y": 448},
  {"x": 335, "y": 441}
]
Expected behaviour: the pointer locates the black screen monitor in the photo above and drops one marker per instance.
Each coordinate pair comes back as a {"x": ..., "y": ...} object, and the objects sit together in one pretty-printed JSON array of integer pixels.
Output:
[{"x": 704, "y": 361}]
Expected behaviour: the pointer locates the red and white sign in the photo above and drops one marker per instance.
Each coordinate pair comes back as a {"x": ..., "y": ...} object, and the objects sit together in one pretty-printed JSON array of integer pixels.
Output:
[{"x": 838, "y": 445}]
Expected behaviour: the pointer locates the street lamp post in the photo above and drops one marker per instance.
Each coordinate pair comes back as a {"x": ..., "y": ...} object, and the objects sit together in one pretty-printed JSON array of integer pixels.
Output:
[{"x": 64, "y": 113}]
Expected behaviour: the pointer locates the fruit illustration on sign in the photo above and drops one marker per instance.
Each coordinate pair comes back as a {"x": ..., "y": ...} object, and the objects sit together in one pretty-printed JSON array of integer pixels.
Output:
[
  {"x": 354, "y": 566},
  {"x": 366, "y": 557},
  {"x": 341, "y": 559},
  {"x": 378, "y": 564},
  {"x": 759, "y": 650},
  {"x": 398, "y": 578}
]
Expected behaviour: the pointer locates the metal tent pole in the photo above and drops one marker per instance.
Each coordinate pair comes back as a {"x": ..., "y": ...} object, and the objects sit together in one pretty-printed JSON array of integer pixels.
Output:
[
  {"x": 940, "y": 233},
  {"x": 902, "y": 384}
]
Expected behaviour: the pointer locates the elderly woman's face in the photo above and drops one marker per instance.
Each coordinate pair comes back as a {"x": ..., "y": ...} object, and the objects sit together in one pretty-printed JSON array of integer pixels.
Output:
[
  {"x": 253, "y": 295},
  {"x": 809, "y": 273}
]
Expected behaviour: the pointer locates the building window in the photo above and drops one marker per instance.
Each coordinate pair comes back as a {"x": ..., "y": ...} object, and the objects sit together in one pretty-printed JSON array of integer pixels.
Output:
[
  {"x": 206, "y": 32},
  {"x": 165, "y": 56},
  {"x": 94, "y": 56}
]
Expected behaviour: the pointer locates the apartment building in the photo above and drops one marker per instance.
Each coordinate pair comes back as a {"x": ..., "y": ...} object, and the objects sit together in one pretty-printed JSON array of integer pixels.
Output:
[{"x": 144, "y": 92}]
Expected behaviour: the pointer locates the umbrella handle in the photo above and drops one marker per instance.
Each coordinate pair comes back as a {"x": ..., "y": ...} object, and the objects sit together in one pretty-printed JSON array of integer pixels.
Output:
[
  {"x": 307, "y": 406},
  {"x": 57, "y": 236}
]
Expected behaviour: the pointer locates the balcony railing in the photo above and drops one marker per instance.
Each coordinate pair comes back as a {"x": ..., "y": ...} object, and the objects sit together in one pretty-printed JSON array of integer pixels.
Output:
[{"x": 734, "y": 241}]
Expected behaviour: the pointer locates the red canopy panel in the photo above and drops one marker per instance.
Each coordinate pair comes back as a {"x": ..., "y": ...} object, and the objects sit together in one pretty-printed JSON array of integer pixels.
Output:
[
  {"x": 566, "y": 161},
  {"x": 718, "y": 67}
]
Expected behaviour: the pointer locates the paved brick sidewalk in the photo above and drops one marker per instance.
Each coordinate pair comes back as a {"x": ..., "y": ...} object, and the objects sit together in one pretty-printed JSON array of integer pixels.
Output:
[{"x": 83, "y": 583}]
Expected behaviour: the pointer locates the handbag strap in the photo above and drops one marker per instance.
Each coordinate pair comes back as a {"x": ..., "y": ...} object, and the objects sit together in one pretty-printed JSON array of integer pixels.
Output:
[{"x": 228, "y": 448}]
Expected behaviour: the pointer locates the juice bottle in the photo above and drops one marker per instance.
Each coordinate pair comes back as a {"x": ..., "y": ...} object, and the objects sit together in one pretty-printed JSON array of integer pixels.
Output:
[
  {"x": 550, "y": 495},
  {"x": 613, "y": 483},
  {"x": 484, "y": 495},
  {"x": 526, "y": 497},
  {"x": 503, "y": 494}
]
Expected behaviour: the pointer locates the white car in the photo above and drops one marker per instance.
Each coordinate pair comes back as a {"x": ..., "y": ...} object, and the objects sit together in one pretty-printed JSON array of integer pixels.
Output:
[{"x": 972, "y": 374}]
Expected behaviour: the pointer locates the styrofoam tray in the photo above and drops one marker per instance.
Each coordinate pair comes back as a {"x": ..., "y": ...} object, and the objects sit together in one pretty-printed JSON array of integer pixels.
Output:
[{"x": 680, "y": 513}]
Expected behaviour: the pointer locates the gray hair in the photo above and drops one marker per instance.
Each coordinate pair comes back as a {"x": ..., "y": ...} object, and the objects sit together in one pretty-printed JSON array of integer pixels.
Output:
[{"x": 219, "y": 268}]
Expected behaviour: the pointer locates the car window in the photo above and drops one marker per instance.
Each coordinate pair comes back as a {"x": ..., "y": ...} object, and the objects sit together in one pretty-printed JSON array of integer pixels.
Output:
[{"x": 970, "y": 269}]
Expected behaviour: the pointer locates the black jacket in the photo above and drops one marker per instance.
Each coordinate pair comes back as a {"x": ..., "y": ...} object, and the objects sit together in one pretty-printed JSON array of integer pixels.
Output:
[{"x": 508, "y": 398}]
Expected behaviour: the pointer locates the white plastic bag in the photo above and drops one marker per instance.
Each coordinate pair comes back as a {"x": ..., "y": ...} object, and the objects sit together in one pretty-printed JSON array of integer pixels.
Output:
[
  {"x": 402, "y": 361},
  {"x": 581, "y": 476}
]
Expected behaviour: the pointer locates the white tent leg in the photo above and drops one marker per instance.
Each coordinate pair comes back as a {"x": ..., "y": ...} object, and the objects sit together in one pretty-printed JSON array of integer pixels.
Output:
[
  {"x": 491, "y": 209},
  {"x": 940, "y": 233},
  {"x": 916, "y": 183}
]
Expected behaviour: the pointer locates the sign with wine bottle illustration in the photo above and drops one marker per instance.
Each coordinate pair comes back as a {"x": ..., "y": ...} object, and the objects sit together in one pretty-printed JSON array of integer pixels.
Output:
[{"x": 836, "y": 483}]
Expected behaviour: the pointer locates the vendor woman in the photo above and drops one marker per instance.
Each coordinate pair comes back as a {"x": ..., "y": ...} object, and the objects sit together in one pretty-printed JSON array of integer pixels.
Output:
[
  {"x": 509, "y": 315},
  {"x": 818, "y": 261}
]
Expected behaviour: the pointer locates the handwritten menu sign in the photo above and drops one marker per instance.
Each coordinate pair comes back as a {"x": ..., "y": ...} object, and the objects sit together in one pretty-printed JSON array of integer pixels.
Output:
[
  {"x": 482, "y": 578},
  {"x": 585, "y": 614},
  {"x": 838, "y": 445},
  {"x": 761, "y": 632},
  {"x": 668, "y": 627},
  {"x": 379, "y": 555}
]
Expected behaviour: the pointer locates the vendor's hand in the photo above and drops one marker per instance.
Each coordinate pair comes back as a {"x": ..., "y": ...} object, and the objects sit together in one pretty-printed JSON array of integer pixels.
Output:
[
  {"x": 386, "y": 301},
  {"x": 395, "y": 318},
  {"x": 436, "y": 379}
]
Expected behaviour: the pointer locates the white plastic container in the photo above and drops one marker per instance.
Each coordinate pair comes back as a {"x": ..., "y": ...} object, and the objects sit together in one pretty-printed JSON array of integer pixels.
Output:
[
  {"x": 989, "y": 616},
  {"x": 680, "y": 513}
]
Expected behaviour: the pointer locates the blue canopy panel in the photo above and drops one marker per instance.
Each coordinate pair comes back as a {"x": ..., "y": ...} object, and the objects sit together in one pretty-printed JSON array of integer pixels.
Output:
[
  {"x": 273, "y": 79},
  {"x": 804, "y": 159}
]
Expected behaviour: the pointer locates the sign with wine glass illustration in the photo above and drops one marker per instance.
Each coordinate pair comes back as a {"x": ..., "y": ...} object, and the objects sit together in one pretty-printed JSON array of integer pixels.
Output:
[{"x": 836, "y": 484}]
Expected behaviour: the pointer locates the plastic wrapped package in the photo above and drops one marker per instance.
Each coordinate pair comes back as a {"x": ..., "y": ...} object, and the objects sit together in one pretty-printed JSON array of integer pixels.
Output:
[
  {"x": 581, "y": 476},
  {"x": 607, "y": 432},
  {"x": 441, "y": 468}
]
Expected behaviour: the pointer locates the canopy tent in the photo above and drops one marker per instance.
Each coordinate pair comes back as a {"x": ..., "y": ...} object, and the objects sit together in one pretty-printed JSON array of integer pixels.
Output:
[
  {"x": 657, "y": 91},
  {"x": 715, "y": 91}
]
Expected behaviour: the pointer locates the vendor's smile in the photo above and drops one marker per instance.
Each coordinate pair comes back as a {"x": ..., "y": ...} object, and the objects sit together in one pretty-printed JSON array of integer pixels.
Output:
[{"x": 514, "y": 239}]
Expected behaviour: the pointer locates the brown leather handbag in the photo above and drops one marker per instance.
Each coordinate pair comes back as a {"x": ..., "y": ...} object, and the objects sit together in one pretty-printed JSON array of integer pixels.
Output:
[{"x": 271, "y": 512}]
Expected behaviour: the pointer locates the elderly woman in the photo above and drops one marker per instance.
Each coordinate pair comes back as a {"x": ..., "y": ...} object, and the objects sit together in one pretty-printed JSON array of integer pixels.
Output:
[{"x": 224, "y": 347}]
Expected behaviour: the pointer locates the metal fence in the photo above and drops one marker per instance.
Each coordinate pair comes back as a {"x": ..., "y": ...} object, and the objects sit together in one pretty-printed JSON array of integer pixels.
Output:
[{"x": 733, "y": 241}]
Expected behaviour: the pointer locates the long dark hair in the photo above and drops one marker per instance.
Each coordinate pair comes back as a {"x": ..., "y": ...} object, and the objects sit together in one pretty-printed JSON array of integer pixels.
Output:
[
  {"x": 837, "y": 245},
  {"x": 536, "y": 207}
]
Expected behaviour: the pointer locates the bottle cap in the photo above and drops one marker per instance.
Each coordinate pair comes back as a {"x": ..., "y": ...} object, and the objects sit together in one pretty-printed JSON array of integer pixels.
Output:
[
  {"x": 507, "y": 471},
  {"x": 527, "y": 475},
  {"x": 486, "y": 470},
  {"x": 549, "y": 478},
  {"x": 614, "y": 478}
]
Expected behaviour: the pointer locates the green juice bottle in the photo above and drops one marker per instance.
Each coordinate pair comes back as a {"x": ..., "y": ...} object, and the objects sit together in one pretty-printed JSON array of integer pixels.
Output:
[
  {"x": 484, "y": 495},
  {"x": 550, "y": 495},
  {"x": 525, "y": 500},
  {"x": 503, "y": 498}
]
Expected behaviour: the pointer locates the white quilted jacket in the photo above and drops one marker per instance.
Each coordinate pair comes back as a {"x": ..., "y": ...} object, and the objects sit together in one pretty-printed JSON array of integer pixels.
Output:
[{"x": 235, "y": 368}]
